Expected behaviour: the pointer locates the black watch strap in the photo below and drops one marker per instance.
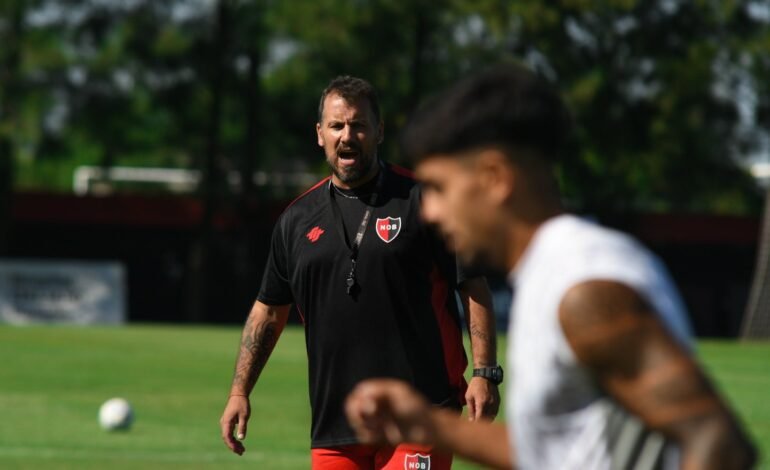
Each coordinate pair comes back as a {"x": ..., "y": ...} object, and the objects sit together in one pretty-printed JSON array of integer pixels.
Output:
[{"x": 493, "y": 374}]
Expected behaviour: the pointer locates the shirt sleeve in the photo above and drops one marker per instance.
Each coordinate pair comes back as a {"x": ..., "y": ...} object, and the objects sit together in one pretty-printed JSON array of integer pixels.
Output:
[
  {"x": 276, "y": 289},
  {"x": 448, "y": 262},
  {"x": 444, "y": 260},
  {"x": 465, "y": 272}
]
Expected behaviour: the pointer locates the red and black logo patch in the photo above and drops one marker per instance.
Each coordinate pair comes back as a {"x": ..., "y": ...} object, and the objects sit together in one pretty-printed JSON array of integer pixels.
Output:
[
  {"x": 416, "y": 462},
  {"x": 388, "y": 228}
]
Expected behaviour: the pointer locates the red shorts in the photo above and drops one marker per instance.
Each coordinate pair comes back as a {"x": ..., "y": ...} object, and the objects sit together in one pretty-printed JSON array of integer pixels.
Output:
[{"x": 364, "y": 457}]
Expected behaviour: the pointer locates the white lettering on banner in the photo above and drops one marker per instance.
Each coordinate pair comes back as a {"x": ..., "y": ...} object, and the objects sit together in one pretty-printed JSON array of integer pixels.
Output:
[
  {"x": 34, "y": 291},
  {"x": 389, "y": 227}
]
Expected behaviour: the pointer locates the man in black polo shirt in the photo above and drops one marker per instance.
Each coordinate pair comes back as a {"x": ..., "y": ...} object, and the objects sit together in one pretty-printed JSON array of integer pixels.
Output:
[{"x": 375, "y": 288}]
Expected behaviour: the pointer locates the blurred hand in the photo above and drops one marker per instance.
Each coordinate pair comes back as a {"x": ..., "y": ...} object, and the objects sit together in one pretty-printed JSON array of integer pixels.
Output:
[
  {"x": 483, "y": 399},
  {"x": 233, "y": 422},
  {"x": 390, "y": 411}
]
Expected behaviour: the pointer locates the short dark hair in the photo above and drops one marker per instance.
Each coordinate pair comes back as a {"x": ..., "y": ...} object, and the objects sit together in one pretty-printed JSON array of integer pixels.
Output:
[
  {"x": 351, "y": 89},
  {"x": 505, "y": 105}
]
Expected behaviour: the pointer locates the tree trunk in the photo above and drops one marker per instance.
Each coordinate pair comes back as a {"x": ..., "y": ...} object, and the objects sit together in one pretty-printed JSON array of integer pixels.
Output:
[
  {"x": 756, "y": 320},
  {"x": 211, "y": 177},
  {"x": 249, "y": 155},
  {"x": 10, "y": 91},
  {"x": 421, "y": 32},
  {"x": 6, "y": 194}
]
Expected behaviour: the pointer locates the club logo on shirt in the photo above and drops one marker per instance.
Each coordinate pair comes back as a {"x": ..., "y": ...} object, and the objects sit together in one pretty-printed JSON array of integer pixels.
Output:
[
  {"x": 388, "y": 228},
  {"x": 416, "y": 462},
  {"x": 314, "y": 234}
]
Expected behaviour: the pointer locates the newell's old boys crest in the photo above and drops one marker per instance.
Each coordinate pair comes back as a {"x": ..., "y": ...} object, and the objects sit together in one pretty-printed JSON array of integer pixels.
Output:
[
  {"x": 416, "y": 462},
  {"x": 388, "y": 228}
]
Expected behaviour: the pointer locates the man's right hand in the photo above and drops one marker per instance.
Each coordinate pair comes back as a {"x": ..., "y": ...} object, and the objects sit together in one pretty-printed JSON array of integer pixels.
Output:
[
  {"x": 389, "y": 411},
  {"x": 233, "y": 422}
]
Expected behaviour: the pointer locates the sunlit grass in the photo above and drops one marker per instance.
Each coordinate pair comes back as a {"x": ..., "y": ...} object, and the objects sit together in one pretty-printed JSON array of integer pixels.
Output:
[{"x": 53, "y": 380}]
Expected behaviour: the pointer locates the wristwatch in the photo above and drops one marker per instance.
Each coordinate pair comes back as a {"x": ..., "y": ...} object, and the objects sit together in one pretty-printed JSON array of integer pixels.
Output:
[{"x": 493, "y": 374}]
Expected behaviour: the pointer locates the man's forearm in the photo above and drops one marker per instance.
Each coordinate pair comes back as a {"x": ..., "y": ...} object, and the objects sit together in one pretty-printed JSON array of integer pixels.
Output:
[
  {"x": 477, "y": 303},
  {"x": 718, "y": 443},
  {"x": 478, "y": 441},
  {"x": 260, "y": 334}
]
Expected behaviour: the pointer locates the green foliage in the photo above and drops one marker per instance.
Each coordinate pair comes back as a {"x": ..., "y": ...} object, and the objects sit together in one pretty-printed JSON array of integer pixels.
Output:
[
  {"x": 652, "y": 134},
  {"x": 669, "y": 97}
]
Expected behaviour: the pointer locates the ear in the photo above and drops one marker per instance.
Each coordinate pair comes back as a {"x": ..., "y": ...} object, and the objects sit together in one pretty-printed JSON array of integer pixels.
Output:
[
  {"x": 321, "y": 140},
  {"x": 496, "y": 175},
  {"x": 380, "y": 132}
]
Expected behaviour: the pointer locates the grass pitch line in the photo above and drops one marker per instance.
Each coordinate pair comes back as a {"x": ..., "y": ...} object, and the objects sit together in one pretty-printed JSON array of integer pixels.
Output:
[{"x": 51, "y": 453}]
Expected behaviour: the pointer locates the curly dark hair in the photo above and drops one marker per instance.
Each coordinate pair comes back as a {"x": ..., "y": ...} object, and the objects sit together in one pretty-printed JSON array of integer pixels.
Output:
[{"x": 505, "y": 106}]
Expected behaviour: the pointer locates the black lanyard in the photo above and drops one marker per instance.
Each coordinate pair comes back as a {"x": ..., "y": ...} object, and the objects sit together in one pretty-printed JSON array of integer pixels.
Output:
[{"x": 350, "y": 281}]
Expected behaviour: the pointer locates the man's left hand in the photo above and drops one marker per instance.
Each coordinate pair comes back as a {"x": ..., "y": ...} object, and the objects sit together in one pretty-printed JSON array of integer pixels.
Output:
[{"x": 483, "y": 399}]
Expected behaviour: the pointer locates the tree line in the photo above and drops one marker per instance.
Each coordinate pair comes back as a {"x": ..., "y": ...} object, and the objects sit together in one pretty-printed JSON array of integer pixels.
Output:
[{"x": 671, "y": 97}]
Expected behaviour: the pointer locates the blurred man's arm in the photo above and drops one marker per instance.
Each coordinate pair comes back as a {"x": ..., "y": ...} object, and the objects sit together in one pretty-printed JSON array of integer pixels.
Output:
[
  {"x": 618, "y": 336},
  {"x": 390, "y": 411},
  {"x": 260, "y": 334},
  {"x": 482, "y": 396}
]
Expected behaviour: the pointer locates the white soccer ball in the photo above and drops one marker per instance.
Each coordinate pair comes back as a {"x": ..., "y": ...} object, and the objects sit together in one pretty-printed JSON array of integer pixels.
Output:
[{"x": 116, "y": 413}]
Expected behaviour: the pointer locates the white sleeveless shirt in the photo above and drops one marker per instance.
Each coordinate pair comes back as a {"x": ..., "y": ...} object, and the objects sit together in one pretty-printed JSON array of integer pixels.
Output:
[{"x": 558, "y": 418}]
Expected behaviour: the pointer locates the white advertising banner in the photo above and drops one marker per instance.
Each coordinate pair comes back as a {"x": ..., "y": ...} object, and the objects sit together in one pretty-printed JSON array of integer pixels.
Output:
[{"x": 76, "y": 292}]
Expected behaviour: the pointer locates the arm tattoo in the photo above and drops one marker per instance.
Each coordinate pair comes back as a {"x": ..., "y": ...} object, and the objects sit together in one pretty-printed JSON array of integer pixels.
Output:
[
  {"x": 620, "y": 339},
  {"x": 483, "y": 345},
  {"x": 256, "y": 345},
  {"x": 479, "y": 333}
]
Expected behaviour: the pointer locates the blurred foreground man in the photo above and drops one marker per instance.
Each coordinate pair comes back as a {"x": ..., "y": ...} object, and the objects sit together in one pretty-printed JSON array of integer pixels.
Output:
[
  {"x": 602, "y": 374},
  {"x": 375, "y": 288}
]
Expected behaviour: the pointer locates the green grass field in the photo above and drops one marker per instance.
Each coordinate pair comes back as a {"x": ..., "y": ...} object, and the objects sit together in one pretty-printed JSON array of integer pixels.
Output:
[{"x": 53, "y": 380}]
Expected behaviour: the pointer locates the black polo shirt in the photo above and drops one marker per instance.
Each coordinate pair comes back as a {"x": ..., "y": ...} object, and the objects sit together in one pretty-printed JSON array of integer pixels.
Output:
[{"x": 402, "y": 321}]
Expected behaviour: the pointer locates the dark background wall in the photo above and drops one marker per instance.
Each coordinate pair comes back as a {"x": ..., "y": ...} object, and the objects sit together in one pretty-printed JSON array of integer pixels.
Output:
[{"x": 711, "y": 258}]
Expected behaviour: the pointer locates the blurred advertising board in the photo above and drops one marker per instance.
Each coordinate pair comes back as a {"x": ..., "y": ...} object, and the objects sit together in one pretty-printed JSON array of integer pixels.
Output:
[{"x": 73, "y": 292}]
